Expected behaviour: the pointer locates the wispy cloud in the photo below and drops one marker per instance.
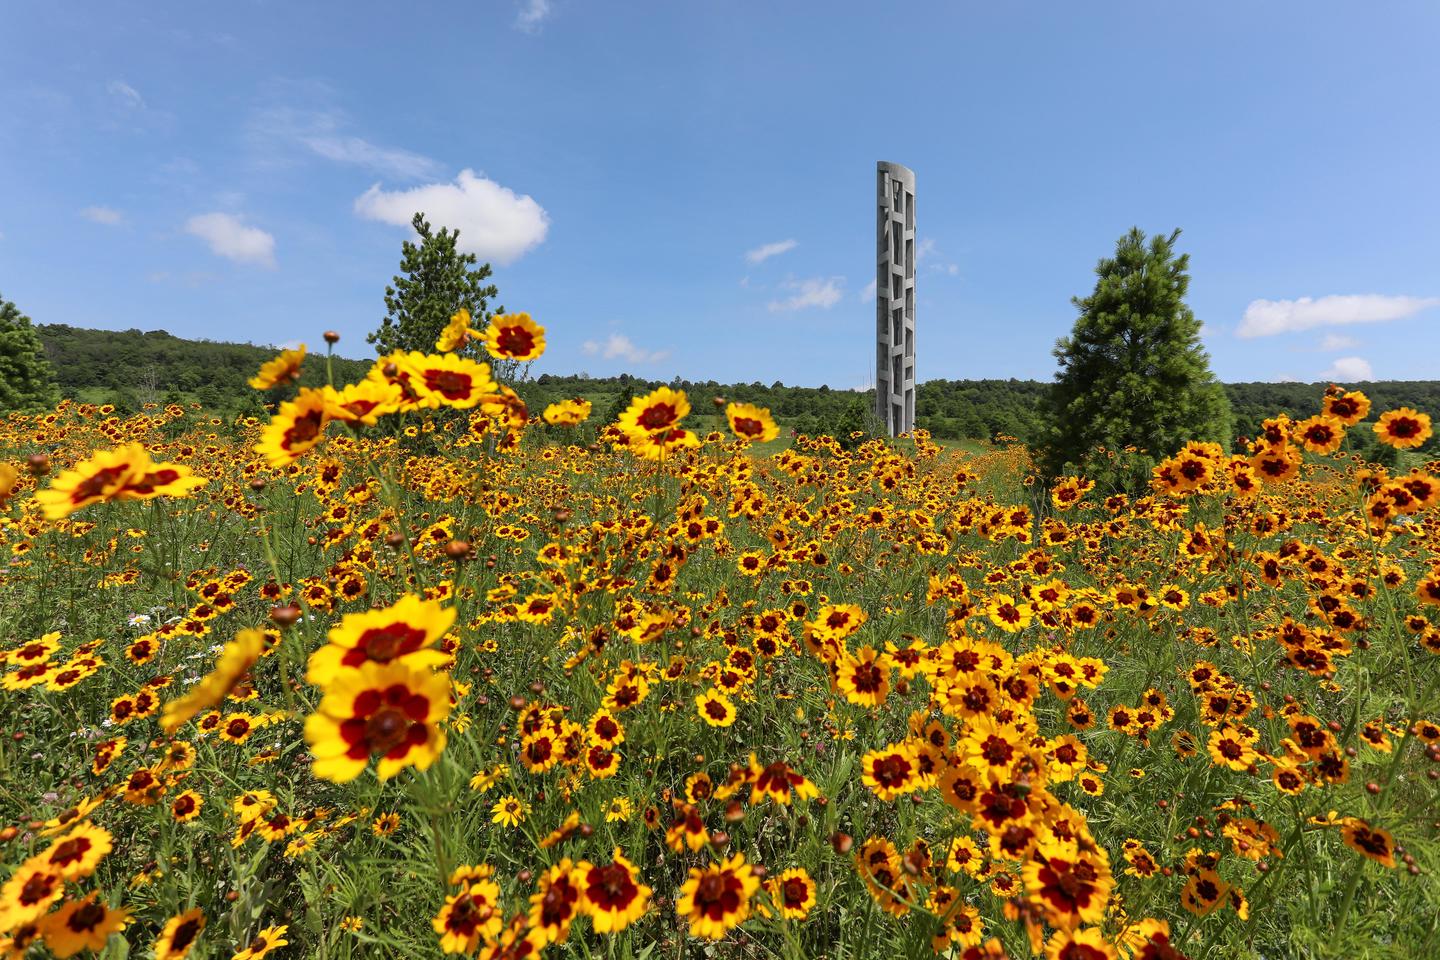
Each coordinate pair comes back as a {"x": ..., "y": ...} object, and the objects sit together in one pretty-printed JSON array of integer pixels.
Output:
[
  {"x": 1264, "y": 318},
  {"x": 766, "y": 251},
  {"x": 1349, "y": 370},
  {"x": 106, "y": 215},
  {"x": 532, "y": 15},
  {"x": 126, "y": 95},
  {"x": 926, "y": 250},
  {"x": 1337, "y": 341},
  {"x": 868, "y": 294},
  {"x": 494, "y": 222},
  {"x": 617, "y": 346},
  {"x": 817, "y": 292},
  {"x": 278, "y": 133},
  {"x": 227, "y": 236}
]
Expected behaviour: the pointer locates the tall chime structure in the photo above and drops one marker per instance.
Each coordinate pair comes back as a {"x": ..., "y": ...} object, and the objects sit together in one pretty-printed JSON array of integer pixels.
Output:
[{"x": 895, "y": 297}]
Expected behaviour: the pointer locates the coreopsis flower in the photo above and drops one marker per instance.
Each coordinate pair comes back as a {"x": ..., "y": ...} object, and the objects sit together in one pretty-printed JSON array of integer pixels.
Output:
[
  {"x": 1204, "y": 893},
  {"x": 77, "y": 854},
  {"x": 1085, "y": 944},
  {"x": 186, "y": 806},
  {"x": 469, "y": 916},
  {"x": 1070, "y": 886},
  {"x": 264, "y": 943},
  {"x": 1068, "y": 493},
  {"x": 514, "y": 336},
  {"x": 835, "y": 622},
  {"x": 716, "y": 899},
  {"x": 457, "y": 332},
  {"x": 658, "y": 411},
  {"x": 82, "y": 925},
  {"x": 363, "y": 403},
  {"x": 9, "y": 480},
  {"x": 864, "y": 678},
  {"x": 1320, "y": 434},
  {"x": 28, "y": 894},
  {"x": 405, "y": 633},
  {"x": 556, "y": 901},
  {"x": 297, "y": 428},
  {"x": 93, "y": 480},
  {"x": 1403, "y": 429},
  {"x": 891, "y": 771},
  {"x": 715, "y": 708},
  {"x": 1368, "y": 841},
  {"x": 612, "y": 895},
  {"x": 1009, "y": 614},
  {"x": 509, "y": 811},
  {"x": 235, "y": 660},
  {"x": 661, "y": 444},
  {"x": 179, "y": 935},
  {"x": 1348, "y": 407},
  {"x": 567, "y": 413},
  {"x": 446, "y": 380},
  {"x": 281, "y": 370},
  {"x": 779, "y": 782},
  {"x": 1231, "y": 747},
  {"x": 751, "y": 423},
  {"x": 792, "y": 893},
  {"x": 390, "y": 711}
]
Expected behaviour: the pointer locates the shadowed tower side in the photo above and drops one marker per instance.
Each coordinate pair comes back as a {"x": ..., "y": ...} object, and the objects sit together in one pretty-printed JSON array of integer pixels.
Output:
[{"x": 895, "y": 297}]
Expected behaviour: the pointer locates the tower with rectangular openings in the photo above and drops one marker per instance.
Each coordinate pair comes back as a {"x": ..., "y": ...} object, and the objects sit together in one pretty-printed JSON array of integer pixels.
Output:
[{"x": 895, "y": 298}]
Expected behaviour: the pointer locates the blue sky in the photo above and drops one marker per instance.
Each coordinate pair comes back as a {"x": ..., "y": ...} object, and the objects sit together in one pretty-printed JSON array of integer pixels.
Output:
[{"x": 687, "y": 187}]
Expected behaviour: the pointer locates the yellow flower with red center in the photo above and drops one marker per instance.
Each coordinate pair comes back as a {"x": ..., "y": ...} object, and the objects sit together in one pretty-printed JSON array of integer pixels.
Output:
[
  {"x": 446, "y": 380},
  {"x": 779, "y": 782},
  {"x": 567, "y": 413},
  {"x": 1403, "y": 429},
  {"x": 891, "y": 771},
  {"x": 1009, "y": 614},
  {"x": 28, "y": 893},
  {"x": 1368, "y": 841},
  {"x": 556, "y": 901},
  {"x": 864, "y": 679},
  {"x": 514, "y": 336},
  {"x": 77, "y": 854},
  {"x": 1320, "y": 434},
  {"x": 835, "y": 622},
  {"x": 1349, "y": 407},
  {"x": 658, "y": 411},
  {"x": 1070, "y": 885},
  {"x": 792, "y": 893},
  {"x": 457, "y": 332},
  {"x": 82, "y": 925},
  {"x": 1086, "y": 944},
  {"x": 363, "y": 403},
  {"x": 281, "y": 370},
  {"x": 389, "y": 711},
  {"x": 179, "y": 935},
  {"x": 469, "y": 916},
  {"x": 98, "y": 478},
  {"x": 751, "y": 423},
  {"x": 405, "y": 632},
  {"x": 238, "y": 656},
  {"x": 1231, "y": 747},
  {"x": 716, "y": 899},
  {"x": 296, "y": 429},
  {"x": 611, "y": 895},
  {"x": 715, "y": 708}
]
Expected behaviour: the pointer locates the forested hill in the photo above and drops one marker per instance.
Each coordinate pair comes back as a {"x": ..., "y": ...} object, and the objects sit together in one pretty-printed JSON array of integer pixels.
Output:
[{"x": 129, "y": 368}]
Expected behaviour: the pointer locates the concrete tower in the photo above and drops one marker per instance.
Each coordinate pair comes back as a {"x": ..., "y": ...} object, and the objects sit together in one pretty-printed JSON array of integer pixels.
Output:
[{"x": 895, "y": 297}]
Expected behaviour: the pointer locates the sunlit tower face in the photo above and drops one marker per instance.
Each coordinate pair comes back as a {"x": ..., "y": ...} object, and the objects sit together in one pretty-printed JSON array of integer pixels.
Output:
[{"x": 895, "y": 297}]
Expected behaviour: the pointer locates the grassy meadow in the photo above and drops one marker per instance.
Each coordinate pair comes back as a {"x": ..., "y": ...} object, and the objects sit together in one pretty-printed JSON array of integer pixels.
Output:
[{"x": 407, "y": 670}]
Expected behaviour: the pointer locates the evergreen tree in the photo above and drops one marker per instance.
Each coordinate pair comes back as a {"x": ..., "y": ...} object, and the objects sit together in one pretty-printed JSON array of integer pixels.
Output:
[
  {"x": 27, "y": 381},
  {"x": 1133, "y": 373},
  {"x": 435, "y": 282}
]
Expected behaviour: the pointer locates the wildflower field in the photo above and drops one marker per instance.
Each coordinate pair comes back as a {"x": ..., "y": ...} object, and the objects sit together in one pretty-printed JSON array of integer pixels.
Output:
[{"x": 408, "y": 670}]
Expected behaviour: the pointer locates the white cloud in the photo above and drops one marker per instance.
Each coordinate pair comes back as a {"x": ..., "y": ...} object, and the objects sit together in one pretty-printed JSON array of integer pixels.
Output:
[
  {"x": 1337, "y": 341},
  {"x": 1265, "y": 318},
  {"x": 817, "y": 292},
  {"x": 126, "y": 94},
  {"x": 765, "y": 252},
  {"x": 494, "y": 223},
  {"x": 924, "y": 249},
  {"x": 868, "y": 294},
  {"x": 228, "y": 237},
  {"x": 106, "y": 215},
  {"x": 1349, "y": 370},
  {"x": 323, "y": 133},
  {"x": 619, "y": 346},
  {"x": 532, "y": 14}
]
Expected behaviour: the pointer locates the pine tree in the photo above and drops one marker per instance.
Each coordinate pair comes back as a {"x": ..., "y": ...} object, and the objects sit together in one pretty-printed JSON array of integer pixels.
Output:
[
  {"x": 1133, "y": 373},
  {"x": 27, "y": 381},
  {"x": 435, "y": 282}
]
